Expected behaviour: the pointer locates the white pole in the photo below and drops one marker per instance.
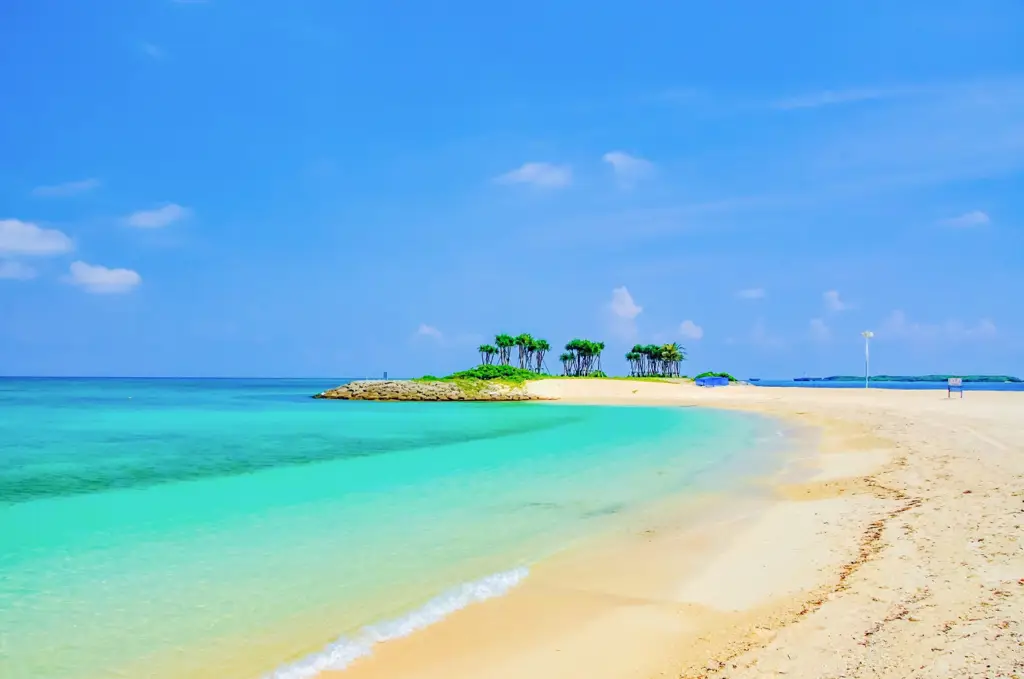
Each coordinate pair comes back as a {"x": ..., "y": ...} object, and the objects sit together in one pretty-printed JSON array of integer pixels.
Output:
[
  {"x": 867, "y": 357},
  {"x": 867, "y": 363}
]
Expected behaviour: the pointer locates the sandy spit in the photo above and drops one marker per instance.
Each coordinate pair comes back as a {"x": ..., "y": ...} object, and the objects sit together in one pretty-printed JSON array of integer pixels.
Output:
[{"x": 900, "y": 555}]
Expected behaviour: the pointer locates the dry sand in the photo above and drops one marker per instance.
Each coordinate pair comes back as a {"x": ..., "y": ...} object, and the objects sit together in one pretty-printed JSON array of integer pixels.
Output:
[{"x": 900, "y": 556}]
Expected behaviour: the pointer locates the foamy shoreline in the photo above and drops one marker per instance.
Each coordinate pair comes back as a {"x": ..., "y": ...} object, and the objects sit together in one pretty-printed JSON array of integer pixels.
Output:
[{"x": 834, "y": 578}]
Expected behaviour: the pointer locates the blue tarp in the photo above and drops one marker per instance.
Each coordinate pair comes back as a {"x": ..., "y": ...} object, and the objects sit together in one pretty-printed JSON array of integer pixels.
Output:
[{"x": 712, "y": 381}]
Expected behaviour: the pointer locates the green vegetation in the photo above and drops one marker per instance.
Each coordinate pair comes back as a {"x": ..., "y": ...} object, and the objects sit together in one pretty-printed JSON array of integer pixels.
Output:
[
  {"x": 714, "y": 374},
  {"x": 540, "y": 348},
  {"x": 652, "y": 360},
  {"x": 487, "y": 353},
  {"x": 582, "y": 358},
  {"x": 504, "y": 344},
  {"x": 911, "y": 378},
  {"x": 508, "y": 373}
]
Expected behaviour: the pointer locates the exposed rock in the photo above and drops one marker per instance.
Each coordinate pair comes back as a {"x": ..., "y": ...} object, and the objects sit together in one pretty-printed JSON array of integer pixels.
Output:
[{"x": 408, "y": 390}]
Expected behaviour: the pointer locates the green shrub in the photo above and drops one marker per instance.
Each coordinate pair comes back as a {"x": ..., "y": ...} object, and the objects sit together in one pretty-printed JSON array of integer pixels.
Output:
[
  {"x": 495, "y": 372},
  {"x": 714, "y": 374}
]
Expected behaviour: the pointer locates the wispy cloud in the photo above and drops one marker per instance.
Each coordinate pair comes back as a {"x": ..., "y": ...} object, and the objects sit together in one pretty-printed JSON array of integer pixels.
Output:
[
  {"x": 751, "y": 293},
  {"x": 833, "y": 302},
  {"x": 690, "y": 330},
  {"x": 429, "y": 331},
  {"x": 25, "y": 238},
  {"x": 152, "y": 51},
  {"x": 899, "y": 326},
  {"x": 623, "y": 310},
  {"x": 968, "y": 219},
  {"x": 13, "y": 270},
  {"x": 67, "y": 189},
  {"x": 942, "y": 134},
  {"x": 628, "y": 169},
  {"x": 950, "y": 133},
  {"x": 841, "y": 96},
  {"x": 543, "y": 175},
  {"x": 158, "y": 217},
  {"x": 101, "y": 280},
  {"x": 820, "y": 332},
  {"x": 760, "y": 337}
]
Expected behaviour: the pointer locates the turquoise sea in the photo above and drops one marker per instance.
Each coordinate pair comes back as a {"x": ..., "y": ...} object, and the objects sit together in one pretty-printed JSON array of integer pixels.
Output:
[{"x": 176, "y": 528}]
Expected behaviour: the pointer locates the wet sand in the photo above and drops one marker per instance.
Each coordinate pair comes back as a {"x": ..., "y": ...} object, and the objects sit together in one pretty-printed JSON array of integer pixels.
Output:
[{"x": 898, "y": 555}]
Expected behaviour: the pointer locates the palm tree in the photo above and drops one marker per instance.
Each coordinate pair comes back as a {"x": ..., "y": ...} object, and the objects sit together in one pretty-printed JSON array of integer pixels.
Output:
[
  {"x": 540, "y": 347},
  {"x": 504, "y": 343},
  {"x": 638, "y": 359},
  {"x": 674, "y": 355},
  {"x": 634, "y": 357},
  {"x": 487, "y": 353},
  {"x": 524, "y": 343},
  {"x": 585, "y": 355},
  {"x": 567, "y": 359}
]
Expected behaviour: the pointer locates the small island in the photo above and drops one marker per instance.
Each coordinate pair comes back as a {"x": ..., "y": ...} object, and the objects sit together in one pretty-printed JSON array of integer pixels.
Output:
[{"x": 496, "y": 379}]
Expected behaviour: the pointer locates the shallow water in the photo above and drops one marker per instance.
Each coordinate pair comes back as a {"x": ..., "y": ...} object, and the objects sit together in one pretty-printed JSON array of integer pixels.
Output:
[{"x": 239, "y": 528}]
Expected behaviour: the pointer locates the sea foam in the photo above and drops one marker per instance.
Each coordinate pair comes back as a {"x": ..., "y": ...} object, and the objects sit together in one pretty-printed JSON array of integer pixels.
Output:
[{"x": 340, "y": 653}]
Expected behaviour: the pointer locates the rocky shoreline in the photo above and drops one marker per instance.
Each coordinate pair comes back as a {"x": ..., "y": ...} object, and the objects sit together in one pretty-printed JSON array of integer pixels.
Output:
[{"x": 409, "y": 390}]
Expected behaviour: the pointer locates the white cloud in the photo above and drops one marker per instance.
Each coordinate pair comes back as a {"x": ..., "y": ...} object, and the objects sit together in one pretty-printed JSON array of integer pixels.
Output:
[
  {"x": 159, "y": 217},
  {"x": 12, "y": 270},
  {"x": 833, "y": 302},
  {"x": 25, "y": 238},
  {"x": 819, "y": 330},
  {"x": 623, "y": 312},
  {"x": 101, "y": 280},
  {"x": 66, "y": 189},
  {"x": 622, "y": 304},
  {"x": 628, "y": 169},
  {"x": 968, "y": 219},
  {"x": 429, "y": 331},
  {"x": 898, "y": 326},
  {"x": 836, "y": 97},
  {"x": 690, "y": 330},
  {"x": 544, "y": 175},
  {"x": 751, "y": 293}
]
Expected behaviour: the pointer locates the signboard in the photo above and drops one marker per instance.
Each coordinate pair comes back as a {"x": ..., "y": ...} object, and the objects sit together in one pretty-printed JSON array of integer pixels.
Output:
[{"x": 954, "y": 383}]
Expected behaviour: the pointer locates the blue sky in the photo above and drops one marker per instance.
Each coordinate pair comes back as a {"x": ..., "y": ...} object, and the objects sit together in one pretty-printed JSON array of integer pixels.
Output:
[{"x": 325, "y": 188}]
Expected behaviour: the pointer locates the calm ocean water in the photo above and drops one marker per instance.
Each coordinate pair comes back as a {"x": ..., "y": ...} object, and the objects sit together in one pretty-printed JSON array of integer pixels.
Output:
[{"x": 239, "y": 528}]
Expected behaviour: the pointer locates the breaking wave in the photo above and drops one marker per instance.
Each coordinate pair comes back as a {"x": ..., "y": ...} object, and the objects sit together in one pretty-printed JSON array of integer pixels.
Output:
[{"x": 341, "y": 653}]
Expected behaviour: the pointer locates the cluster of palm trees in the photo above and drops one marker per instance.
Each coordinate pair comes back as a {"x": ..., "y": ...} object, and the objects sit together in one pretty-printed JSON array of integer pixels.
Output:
[
  {"x": 582, "y": 358},
  {"x": 530, "y": 351},
  {"x": 652, "y": 360}
]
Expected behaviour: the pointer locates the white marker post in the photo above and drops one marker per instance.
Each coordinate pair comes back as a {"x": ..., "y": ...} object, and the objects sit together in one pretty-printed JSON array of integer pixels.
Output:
[{"x": 867, "y": 334}]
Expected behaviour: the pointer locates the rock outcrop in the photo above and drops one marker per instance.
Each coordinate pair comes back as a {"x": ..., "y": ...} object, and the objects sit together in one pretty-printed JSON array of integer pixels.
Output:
[{"x": 409, "y": 390}]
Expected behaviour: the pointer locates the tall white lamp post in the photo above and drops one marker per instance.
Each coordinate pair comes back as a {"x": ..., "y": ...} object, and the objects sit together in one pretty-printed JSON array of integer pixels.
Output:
[{"x": 867, "y": 334}]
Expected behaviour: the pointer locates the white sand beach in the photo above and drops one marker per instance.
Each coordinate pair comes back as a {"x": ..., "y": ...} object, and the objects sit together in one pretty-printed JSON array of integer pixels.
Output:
[{"x": 901, "y": 556}]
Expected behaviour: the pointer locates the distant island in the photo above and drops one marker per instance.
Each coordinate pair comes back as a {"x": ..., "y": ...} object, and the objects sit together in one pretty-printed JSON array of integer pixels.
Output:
[
  {"x": 911, "y": 378},
  {"x": 497, "y": 379}
]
